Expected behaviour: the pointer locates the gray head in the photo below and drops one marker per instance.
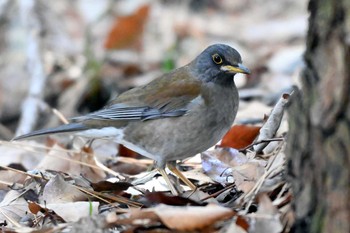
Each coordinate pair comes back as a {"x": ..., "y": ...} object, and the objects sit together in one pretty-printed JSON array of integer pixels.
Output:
[{"x": 218, "y": 63}]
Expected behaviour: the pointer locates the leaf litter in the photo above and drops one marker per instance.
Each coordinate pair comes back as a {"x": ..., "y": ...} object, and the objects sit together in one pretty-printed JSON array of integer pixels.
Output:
[{"x": 68, "y": 185}]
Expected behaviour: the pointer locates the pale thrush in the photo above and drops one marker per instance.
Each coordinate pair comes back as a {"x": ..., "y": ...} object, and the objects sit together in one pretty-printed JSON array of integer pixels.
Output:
[{"x": 175, "y": 116}]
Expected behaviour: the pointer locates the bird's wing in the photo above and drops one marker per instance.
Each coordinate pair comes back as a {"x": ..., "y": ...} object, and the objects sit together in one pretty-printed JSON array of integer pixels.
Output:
[{"x": 168, "y": 96}]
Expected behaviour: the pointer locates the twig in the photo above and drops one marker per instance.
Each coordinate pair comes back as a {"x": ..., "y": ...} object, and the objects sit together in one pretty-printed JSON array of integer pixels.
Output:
[
  {"x": 105, "y": 196},
  {"x": 269, "y": 171},
  {"x": 60, "y": 116},
  {"x": 20, "y": 172},
  {"x": 219, "y": 192},
  {"x": 261, "y": 141},
  {"x": 35, "y": 148},
  {"x": 91, "y": 194}
]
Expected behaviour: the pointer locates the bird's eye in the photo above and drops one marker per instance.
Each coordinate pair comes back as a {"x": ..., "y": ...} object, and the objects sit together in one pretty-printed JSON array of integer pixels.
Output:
[{"x": 217, "y": 59}]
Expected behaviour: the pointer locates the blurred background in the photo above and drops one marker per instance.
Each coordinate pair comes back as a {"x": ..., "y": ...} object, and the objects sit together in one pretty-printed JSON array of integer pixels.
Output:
[{"x": 74, "y": 56}]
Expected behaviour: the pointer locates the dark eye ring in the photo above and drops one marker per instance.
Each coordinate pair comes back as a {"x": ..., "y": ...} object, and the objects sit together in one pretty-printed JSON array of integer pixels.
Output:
[{"x": 217, "y": 59}]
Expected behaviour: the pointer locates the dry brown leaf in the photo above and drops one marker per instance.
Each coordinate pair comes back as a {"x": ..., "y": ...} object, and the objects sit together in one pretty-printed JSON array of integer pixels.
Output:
[
  {"x": 126, "y": 30},
  {"x": 182, "y": 218},
  {"x": 94, "y": 172},
  {"x": 133, "y": 217},
  {"x": 240, "y": 136},
  {"x": 192, "y": 217},
  {"x": 115, "y": 187},
  {"x": 126, "y": 152},
  {"x": 161, "y": 197},
  {"x": 246, "y": 175},
  {"x": 34, "y": 207}
]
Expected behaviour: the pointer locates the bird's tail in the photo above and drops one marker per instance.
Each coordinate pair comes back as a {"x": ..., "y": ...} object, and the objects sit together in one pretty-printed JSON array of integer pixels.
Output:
[{"x": 72, "y": 127}]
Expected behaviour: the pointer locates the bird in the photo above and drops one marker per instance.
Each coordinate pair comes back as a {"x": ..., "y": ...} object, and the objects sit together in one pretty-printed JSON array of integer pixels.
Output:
[{"x": 177, "y": 115}]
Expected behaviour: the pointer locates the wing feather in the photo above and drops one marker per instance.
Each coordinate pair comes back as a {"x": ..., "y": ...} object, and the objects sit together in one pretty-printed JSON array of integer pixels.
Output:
[{"x": 167, "y": 96}]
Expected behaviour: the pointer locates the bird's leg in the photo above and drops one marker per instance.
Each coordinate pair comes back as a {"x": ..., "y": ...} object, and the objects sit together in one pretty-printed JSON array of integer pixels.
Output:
[
  {"x": 172, "y": 167},
  {"x": 167, "y": 180}
]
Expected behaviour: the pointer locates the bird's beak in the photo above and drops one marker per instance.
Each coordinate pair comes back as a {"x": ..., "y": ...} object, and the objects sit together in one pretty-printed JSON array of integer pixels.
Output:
[{"x": 235, "y": 69}]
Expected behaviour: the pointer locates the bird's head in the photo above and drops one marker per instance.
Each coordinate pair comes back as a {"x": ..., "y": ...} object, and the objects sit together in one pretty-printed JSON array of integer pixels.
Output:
[{"x": 218, "y": 63}]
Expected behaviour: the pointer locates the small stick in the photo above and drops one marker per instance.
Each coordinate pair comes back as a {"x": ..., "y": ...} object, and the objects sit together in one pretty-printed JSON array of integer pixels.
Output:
[{"x": 261, "y": 141}]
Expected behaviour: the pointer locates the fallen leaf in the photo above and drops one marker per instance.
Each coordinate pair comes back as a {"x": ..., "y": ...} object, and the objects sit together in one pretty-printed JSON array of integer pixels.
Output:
[
  {"x": 22, "y": 153},
  {"x": 75, "y": 163},
  {"x": 267, "y": 218},
  {"x": 217, "y": 163},
  {"x": 126, "y": 30},
  {"x": 34, "y": 207},
  {"x": 215, "y": 169},
  {"x": 126, "y": 152},
  {"x": 57, "y": 190},
  {"x": 134, "y": 216},
  {"x": 160, "y": 197},
  {"x": 246, "y": 175},
  {"x": 269, "y": 129},
  {"x": 110, "y": 186},
  {"x": 192, "y": 217},
  {"x": 9, "y": 177},
  {"x": 73, "y": 211},
  {"x": 12, "y": 208},
  {"x": 230, "y": 156},
  {"x": 228, "y": 165},
  {"x": 240, "y": 136},
  {"x": 41, "y": 211}
]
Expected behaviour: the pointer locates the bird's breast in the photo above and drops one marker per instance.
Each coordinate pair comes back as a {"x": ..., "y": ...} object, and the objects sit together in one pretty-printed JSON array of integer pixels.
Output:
[
  {"x": 209, "y": 117},
  {"x": 221, "y": 105}
]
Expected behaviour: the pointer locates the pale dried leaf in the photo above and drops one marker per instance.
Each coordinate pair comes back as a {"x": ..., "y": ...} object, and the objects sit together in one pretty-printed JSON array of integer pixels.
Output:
[
  {"x": 57, "y": 190},
  {"x": 134, "y": 216},
  {"x": 93, "y": 173},
  {"x": 10, "y": 177},
  {"x": 21, "y": 153},
  {"x": 188, "y": 218},
  {"x": 215, "y": 169},
  {"x": 246, "y": 175},
  {"x": 55, "y": 160},
  {"x": 269, "y": 129},
  {"x": 13, "y": 207},
  {"x": 197, "y": 174},
  {"x": 243, "y": 172},
  {"x": 267, "y": 218},
  {"x": 73, "y": 211},
  {"x": 230, "y": 156},
  {"x": 75, "y": 163}
]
